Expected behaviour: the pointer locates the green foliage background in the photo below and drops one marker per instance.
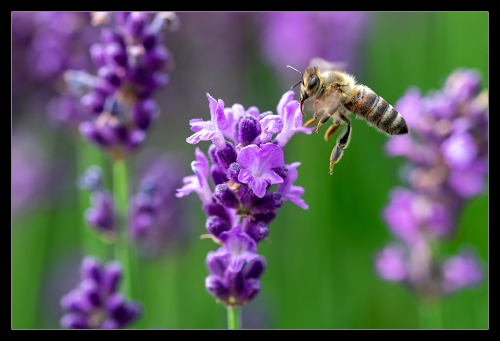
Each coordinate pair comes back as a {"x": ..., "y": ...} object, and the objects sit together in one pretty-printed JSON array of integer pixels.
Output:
[{"x": 320, "y": 261}]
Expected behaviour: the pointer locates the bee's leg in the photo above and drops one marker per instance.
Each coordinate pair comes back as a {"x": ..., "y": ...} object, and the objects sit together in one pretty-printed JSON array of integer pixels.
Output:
[
  {"x": 310, "y": 122},
  {"x": 336, "y": 124},
  {"x": 331, "y": 130},
  {"x": 342, "y": 143},
  {"x": 326, "y": 116},
  {"x": 323, "y": 120}
]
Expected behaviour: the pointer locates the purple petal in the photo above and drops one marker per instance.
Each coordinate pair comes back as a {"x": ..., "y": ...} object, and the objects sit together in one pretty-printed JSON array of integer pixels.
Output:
[
  {"x": 459, "y": 150},
  {"x": 201, "y": 135},
  {"x": 286, "y": 98},
  {"x": 258, "y": 164},
  {"x": 258, "y": 186},
  {"x": 390, "y": 264},
  {"x": 75, "y": 321},
  {"x": 271, "y": 124},
  {"x": 469, "y": 182},
  {"x": 462, "y": 271},
  {"x": 289, "y": 191},
  {"x": 91, "y": 268},
  {"x": 399, "y": 214}
]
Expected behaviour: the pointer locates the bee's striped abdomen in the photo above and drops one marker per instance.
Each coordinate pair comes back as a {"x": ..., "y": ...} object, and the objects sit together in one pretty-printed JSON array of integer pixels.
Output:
[{"x": 376, "y": 111}]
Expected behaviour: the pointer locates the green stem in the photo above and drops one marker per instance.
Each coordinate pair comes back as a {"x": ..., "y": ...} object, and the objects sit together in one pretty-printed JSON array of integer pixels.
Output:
[
  {"x": 87, "y": 156},
  {"x": 124, "y": 251},
  {"x": 233, "y": 318},
  {"x": 430, "y": 314}
]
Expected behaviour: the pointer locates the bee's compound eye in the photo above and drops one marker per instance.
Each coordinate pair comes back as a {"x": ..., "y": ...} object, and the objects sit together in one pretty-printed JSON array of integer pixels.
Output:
[{"x": 313, "y": 82}]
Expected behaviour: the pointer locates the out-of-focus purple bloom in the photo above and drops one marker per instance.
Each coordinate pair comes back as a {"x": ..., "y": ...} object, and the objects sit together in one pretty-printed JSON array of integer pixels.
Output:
[
  {"x": 459, "y": 150},
  {"x": 461, "y": 271},
  {"x": 29, "y": 172},
  {"x": 390, "y": 264},
  {"x": 410, "y": 214},
  {"x": 102, "y": 215},
  {"x": 45, "y": 44},
  {"x": 334, "y": 36},
  {"x": 155, "y": 219},
  {"x": 469, "y": 182},
  {"x": 400, "y": 145},
  {"x": 66, "y": 111},
  {"x": 243, "y": 202},
  {"x": 95, "y": 302},
  {"x": 132, "y": 64},
  {"x": 399, "y": 215},
  {"x": 447, "y": 152}
]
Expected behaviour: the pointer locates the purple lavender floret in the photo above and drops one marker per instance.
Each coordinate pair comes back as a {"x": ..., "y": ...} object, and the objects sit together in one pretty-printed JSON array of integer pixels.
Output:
[
  {"x": 101, "y": 216},
  {"x": 461, "y": 271},
  {"x": 447, "y": 163},
  {"x": 416, "y": 268},
  {"x": 95, "y": 302},
  {"x": 132, "y": 64},
  {"x": 210, "y": 130},
  {"x": 233, "y": 287},
  {"x": 242, "y": 185},
  {"x": 257, "y": 166}
]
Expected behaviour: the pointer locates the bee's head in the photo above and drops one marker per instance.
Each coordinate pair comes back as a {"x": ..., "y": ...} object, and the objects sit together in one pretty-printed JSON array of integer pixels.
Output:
[
  {"x": 306, "y": 81},
  {"x": 311, "y": 82}
]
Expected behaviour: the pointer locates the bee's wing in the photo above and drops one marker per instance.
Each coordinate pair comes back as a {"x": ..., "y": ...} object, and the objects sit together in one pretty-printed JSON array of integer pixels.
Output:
[
  {"x": 328, "y": 103},
  {"x": 324, "y": 64}
]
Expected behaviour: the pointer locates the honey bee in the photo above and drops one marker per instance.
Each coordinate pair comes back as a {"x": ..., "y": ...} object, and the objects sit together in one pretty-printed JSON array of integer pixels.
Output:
[{"x": 336, "y": 93}]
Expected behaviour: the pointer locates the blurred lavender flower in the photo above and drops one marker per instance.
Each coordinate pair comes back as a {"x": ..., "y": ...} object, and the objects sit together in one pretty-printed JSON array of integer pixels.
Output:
[
  {"x": 66, "y": 111},
  {"x": 102, "y": 215},
  {"x": 96, "y": 303},
  {"x": 45, "y": 44},
  {"x": 132, "y": 64},
  {"x": 29, "y": 172},
  {"x": 243, "y": 203},
  {"x": 155, "y": 217},
  {"x": 447, "y": 154},
  {"x": 333, "y": 36}
]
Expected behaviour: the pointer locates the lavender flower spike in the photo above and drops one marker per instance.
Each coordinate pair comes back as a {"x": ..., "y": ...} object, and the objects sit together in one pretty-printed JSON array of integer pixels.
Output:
[
  {"x": 242, "y": 204},
  {"x": 155, "y": 216},
  {"x": 210, "y": 130},
  {"x": 447, "y": 162},
  {"x": 132, "y": 64},
  {"x": 95, "y": 302},
  {"x": 102, "y": 215}
]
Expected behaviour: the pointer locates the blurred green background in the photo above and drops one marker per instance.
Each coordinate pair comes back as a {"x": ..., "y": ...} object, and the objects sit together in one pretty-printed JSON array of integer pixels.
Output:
[{"x": 320, "y": 270}]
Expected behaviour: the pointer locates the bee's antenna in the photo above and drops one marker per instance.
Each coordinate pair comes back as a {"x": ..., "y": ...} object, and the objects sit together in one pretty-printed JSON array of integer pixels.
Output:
[{"x": 301, "y": 76}]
